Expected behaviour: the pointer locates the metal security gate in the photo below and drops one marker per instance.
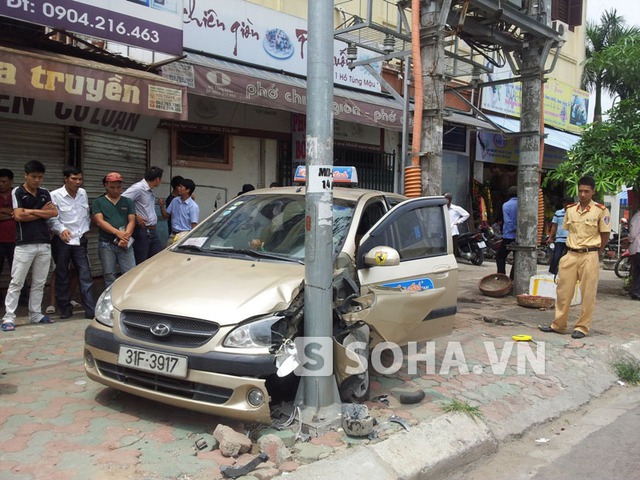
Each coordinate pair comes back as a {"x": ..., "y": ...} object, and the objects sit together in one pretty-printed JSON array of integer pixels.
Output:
[
  {"x": 21, "y": 142},
  {"x": 375, "y": 169}
]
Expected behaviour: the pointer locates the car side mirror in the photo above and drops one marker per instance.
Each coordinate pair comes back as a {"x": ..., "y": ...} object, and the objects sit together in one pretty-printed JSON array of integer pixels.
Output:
[{"x": 382, "y": 256}]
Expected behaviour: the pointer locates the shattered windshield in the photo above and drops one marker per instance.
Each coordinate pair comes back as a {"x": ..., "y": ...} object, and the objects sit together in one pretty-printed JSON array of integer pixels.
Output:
[{"x": 263, "y": 226}]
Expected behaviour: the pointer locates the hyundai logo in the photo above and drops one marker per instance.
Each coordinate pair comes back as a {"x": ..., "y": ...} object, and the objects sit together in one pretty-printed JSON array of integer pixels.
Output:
[{"x": 161, "y": 329}]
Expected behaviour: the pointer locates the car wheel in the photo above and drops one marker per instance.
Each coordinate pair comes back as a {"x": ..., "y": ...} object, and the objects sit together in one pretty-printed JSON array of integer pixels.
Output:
[{"x": 355, "y": 389}]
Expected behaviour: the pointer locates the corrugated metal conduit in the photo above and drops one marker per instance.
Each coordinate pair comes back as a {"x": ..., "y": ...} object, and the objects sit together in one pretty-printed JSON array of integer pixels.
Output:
[{"x": 413, "y": 173}]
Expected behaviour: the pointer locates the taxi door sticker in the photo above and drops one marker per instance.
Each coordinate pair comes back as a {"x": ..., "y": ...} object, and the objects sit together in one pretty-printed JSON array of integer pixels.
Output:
[{"x": 411, "y": 285}]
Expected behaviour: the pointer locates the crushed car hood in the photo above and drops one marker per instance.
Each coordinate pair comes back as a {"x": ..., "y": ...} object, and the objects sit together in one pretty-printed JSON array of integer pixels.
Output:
[{"x": 220, "y": 289}]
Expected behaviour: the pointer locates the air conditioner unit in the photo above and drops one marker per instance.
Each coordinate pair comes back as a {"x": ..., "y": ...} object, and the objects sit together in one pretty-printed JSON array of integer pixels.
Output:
[{"x": 562, "y": 29}]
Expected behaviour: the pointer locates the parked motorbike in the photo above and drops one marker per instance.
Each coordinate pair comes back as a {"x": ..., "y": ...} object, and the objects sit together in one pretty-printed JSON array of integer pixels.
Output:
[
  {"x": 615, "y": 245},
  {"x": 544, "y": 252},
  {"x": 622, "y": 268},
  {"x": 492, "y": 240},
  {"x": 471, "y": 247}
]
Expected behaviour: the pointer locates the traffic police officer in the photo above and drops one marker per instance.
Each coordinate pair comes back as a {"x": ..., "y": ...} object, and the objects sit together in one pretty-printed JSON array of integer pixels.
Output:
[{"x": 589, "y": 226}]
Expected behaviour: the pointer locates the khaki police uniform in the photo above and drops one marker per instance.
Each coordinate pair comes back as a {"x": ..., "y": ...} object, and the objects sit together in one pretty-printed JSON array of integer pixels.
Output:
[{"x": 581, "y": 263}]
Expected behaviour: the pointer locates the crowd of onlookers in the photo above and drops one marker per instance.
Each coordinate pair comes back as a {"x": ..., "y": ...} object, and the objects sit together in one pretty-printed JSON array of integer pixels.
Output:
[{"x": 38, "y": 226}]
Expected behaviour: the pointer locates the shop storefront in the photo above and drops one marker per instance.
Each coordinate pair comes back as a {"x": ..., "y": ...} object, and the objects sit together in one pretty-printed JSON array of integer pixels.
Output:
[{"x": 64, "y": 110}]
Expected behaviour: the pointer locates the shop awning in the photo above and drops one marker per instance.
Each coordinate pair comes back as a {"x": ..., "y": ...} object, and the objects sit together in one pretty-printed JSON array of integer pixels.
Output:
[
  {"x": 109, "y": 93},
  {"x": 234, "y": 82},
  {"x": 244, "y": 84},
  {"x": 555, "y": 138}
]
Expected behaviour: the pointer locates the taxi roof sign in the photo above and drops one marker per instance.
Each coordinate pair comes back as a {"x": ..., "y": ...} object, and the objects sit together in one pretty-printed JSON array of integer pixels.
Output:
[{"x": 341, "y": 175}]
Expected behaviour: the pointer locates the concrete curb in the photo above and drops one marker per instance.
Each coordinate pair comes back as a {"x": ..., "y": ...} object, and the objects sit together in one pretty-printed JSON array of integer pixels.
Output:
[
  {"x": 448, "y": 442},
  {"x": 569, "y": 400},
  {"x": 632, "y": 348}
]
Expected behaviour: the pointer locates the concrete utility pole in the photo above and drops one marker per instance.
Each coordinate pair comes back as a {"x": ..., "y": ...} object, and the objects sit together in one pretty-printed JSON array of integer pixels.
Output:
[
  {"x": 433, "y": 62},
  {"x": 318, "y": 393},
  {"x": 528, "y": 169}
]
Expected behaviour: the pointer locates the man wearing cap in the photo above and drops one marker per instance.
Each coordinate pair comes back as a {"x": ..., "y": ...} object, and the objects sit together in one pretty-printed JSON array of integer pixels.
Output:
[
  {"x": 457, "y": 216},
  {"x": 147, "y": 243},
  {"x": 69, "y": 244},
  {"x": 589, "y": 226},
  {"x": 115, "y": 216},
  {"x": 509, "y": 224}
]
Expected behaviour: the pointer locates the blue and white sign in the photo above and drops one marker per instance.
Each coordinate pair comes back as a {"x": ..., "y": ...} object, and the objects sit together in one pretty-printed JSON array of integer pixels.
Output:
[
  {"x": 339, "y": 175},
  {"x": 244, "y": 31}
]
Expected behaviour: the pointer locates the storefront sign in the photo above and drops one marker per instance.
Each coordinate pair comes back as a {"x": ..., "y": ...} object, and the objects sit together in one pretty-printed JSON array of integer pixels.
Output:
[
  {"x": 37, "y": 76},
  {"x": 61, "y": 113},
  {"x": 151, "y": 24},
  {"x": 565, "y": 107},
  {"x": 496, "y": 148},
  {"x": 298, "y": 138},
  {"x": 247, "y": 32},
  {"x": 237, "y": 87}
]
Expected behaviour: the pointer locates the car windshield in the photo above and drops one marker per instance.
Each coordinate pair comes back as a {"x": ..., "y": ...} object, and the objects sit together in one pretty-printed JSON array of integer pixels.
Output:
[{"x": 263, "y": 226}]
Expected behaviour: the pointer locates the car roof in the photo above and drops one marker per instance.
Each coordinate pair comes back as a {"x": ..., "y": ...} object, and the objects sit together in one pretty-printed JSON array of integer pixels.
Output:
[{"x": 345, "y": 193}]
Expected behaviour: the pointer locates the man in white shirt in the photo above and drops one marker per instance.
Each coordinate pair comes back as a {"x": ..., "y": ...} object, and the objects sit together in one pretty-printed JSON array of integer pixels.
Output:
[
  {"x": 147, "y": 243},
  {"x": 457, "y": 216},
  {"x": 69, "y": 243}
]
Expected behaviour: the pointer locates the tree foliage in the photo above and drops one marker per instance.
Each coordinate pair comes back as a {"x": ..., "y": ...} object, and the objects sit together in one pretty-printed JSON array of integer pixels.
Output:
[
  {"x": 597, "y": 75},
  {"x": 621, "y": 62},
  {"x": 608, "y": 151}
]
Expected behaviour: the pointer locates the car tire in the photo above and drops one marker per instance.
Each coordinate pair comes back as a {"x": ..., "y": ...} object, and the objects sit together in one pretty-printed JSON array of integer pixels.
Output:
[{"x": 355, "y": 389}]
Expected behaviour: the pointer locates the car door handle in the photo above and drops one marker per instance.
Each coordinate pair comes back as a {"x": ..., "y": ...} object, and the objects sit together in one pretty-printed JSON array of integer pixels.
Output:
[{"x": 442, "y": 269}]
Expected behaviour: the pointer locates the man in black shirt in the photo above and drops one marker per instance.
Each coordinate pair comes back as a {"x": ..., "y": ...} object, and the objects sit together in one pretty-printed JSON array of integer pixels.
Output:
[{"x": 32, "y": 207}]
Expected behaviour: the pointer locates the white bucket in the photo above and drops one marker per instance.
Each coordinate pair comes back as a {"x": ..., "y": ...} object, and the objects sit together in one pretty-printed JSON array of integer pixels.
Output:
[{"x": 544, "y": 286}]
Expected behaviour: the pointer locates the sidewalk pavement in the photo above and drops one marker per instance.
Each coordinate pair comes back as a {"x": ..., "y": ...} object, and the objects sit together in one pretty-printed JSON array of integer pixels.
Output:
[
  {"x": 510, "y": 402},
  {"x": 57, "y": 424}
]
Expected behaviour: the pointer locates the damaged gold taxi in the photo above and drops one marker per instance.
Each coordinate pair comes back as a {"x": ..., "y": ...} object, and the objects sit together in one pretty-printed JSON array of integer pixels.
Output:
[{"x": 205, "y": 324}]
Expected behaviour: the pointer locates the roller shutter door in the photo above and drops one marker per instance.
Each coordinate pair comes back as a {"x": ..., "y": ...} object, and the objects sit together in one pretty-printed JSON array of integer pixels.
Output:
[{"x": 21, "y": 142}]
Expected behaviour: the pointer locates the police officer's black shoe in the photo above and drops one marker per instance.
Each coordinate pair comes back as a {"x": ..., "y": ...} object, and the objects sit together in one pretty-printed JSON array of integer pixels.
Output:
[
  {"x": 577, "y": 334},
  {"x": 547, "y": 329}
]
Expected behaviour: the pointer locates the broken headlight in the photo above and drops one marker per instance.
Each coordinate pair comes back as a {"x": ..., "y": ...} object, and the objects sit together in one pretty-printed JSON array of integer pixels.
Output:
[{"x": 257, "y": 333}]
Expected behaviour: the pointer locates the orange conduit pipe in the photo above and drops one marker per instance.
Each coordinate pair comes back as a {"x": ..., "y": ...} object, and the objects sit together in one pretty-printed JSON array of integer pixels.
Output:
[
  {"x": 541, "y": 231},
  {"x": 413, "y": 174}
]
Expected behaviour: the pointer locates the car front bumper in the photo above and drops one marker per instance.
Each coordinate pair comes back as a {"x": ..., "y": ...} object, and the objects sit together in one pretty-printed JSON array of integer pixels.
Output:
[{"x": 216, "y": 383}]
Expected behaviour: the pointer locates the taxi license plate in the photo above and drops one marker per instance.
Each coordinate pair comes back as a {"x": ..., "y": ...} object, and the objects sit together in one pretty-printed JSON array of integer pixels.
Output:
[
  {"x": 155, "y": 362},
  {"x": 482, "y": 245}
]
